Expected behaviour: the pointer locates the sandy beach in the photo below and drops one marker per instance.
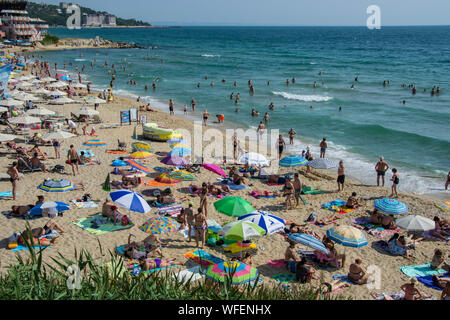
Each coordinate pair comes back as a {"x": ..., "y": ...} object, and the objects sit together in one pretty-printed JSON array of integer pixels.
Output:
[{"x": 270, "y": 247}]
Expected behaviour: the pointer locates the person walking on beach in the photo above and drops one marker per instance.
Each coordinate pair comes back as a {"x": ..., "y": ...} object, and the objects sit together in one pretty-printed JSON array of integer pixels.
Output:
[
  {"x": 297, "y": 188},
  {"x": 381, "y": 167},
  {"x": 281, "y": 144},
  {"x": 72, "y": 126},
  {"x": 323, "y": 147},
  {"x": 200, "y": 227},
  {"x": 341, "y": 176},
  {"x": 447, "y": 183},
  {"x": 13, "y": 173},
  {"x": 74, "y": 159},
  {"x": 193, "y": 104},
  {"x": 292, "y": 133},
  {"x": 171, "y": 107},
  {"x": 205, "y": 116},
  {"x": 204, "y": 198},
  {"x": 395, "y": 181},
  {"x": 56, "y": 145},
  {"x": 190, "y": 219},
  {"x": 261, "y": 127}
]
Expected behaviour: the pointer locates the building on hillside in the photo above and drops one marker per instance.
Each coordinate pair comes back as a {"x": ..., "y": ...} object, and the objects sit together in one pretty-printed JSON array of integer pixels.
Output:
[
  {"x": 98, "y": 20},
  {"x": 17, "y": 25}
]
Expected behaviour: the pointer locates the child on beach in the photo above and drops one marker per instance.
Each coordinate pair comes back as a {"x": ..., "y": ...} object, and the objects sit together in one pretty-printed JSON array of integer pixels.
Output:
[{"x": 395, "y": 181}]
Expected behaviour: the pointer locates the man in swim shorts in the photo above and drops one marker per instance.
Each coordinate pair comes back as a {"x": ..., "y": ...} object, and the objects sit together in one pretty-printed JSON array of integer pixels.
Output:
[{"x": 381, "y": 167}]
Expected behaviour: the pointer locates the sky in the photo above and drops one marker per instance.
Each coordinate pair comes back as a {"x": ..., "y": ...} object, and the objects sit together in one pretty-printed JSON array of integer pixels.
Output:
[{"x": 273, "y": 12}]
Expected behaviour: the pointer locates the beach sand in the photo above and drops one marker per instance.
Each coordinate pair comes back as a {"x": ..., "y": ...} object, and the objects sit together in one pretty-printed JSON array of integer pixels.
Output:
[{"x": 270, "y": 247}]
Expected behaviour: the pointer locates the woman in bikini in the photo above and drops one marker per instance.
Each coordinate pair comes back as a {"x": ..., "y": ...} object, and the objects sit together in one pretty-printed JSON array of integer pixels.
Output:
[
  {"x": 144, "y": 248},
  {"x": 205, "y": 116},
  {"x": 357, "y": 274},
  {"x": 200, "y": 227},
  {"x": 150, "y": 264},
  {"x": 288, "y": 193},
  {"x": 190, "y": 219},
  {"x": 13, "y": 172},
  {"x": 395, "y": 181}
]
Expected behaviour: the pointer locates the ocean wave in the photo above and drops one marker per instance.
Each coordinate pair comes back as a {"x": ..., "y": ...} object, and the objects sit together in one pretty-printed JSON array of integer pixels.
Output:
[
  {"x": 78, "y": 59},
  {"x": 299, "y": 97},
  {"x": 211, "y": 55}
]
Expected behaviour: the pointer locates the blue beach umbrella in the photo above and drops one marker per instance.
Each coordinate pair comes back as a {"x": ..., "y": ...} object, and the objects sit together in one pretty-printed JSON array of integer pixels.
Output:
[
  {"x": 65, "y": 78},
  {"x": 293, "y": 161},
  {"x": 308, "y": 240},
  {"x": 347, "y": 236},
  {"x": 56, "y": 185},
  {"x": 130, "y": 200},
  {"x": 180, "y": 152},
  {"x": 270, "y": 223},
  {"x": 59, "y": 206},
  {"x": 390, "y": 206},
  {"x": 20, "y": 65}
]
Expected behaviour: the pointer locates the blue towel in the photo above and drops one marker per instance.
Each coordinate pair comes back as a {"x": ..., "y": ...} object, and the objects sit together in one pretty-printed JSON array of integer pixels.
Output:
[
  {"x": 20, "y": 248},
  {"x": 429, "y": 283},
  {"x": 336, "y": 203},
  {"x": 6, "y": 194},
  {"x": 342, "y": 277}
]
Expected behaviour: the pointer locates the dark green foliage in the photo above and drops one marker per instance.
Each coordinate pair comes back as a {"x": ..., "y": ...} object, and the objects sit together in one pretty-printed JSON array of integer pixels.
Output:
[{"x": 49, "y": 39}]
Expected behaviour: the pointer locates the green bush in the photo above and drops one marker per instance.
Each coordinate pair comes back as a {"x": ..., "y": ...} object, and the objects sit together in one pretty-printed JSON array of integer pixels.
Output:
[{"x": 49, "y": 39}]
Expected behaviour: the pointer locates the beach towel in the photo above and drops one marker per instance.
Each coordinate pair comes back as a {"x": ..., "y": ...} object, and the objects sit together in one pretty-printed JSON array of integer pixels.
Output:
[
  {"x": 154, "y": 183},
  {"x": 427, "y": 234},
  {"x": 273, "y": 183},
  {"x": 6, "y": 194},
  {"x": 342, "y": 277},
  {"x": 230, "y": 184},
  {"x": 322, "y": 225},
  {"x": 238, "y": 247},
  {"x": 427, "y": 280},
  {"x": 392, "y": 296},
  {"x": 86, "y": 224},
  {"x": 375, "y": 230},
  {"x": 421, "y": 271},
  {"x": 257, "y": 195},
  {"x": 276, "y": 263},
  {"x": 161, "y": 169},
  {"x": 21, "y": 247},
  {"x": 191, "y": 274},
  {"x": 202, "y": 257},
  {"x": 116, "y": 151},
  {"x": 172, "y": 211},
  {"x": 285, "y": 277},
  {"x": 338, "y": 206},
  {"x": 311, "y": 190},
  {"x": 84, "y": 204}
]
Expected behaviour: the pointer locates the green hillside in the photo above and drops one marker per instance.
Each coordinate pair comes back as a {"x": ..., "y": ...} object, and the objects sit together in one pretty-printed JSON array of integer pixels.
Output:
[{"x": 53, "y": 17}]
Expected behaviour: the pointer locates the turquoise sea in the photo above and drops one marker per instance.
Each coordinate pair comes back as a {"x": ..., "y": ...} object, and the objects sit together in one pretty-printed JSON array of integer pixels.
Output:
[{"x": 414, "y": 137}]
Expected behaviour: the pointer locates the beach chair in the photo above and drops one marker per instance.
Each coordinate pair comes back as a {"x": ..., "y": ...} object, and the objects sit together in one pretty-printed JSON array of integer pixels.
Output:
[{"x": 25, "y": 166}]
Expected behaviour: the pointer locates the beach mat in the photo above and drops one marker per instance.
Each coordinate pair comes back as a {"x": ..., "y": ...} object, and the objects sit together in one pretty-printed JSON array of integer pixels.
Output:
[
  {"x": 231, "y": 185},
  {"x": 338, "y": 206},
  {"x": 342, "y": 277},
  {"x": 427, "y": 280},
  {"x": 116, "y": 151},
  {"x": 6, "y": 194},
  {"x": 202, "y": 257},
  {"x": 85, "y": 224},
  {"x": 172, "y": 211},
  {"x": 421, "y": 271},
  {"x": 375, "y": 230},
  {"x": 84, "y": 204},
  {"x": 154, "y": 183}
]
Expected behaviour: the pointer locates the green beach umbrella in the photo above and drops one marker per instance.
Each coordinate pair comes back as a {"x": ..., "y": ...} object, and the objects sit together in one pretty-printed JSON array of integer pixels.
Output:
[
  {"x": 241, "y": 230},
  {"x": 233, "y": 206},
  {"x": 107, "y": 184}
]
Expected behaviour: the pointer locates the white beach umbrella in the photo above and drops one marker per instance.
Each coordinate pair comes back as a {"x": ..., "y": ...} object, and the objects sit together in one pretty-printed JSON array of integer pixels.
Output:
[
  {"x": 40, "y": 112},
  {"x": 25, "y": 78},
  {"x": 41, "y": 91},
  {"x": 3, "y": 109},
  {"x": 253, "y": 159},
  {"x": 48, "y": 79},
  {"x": 57, "y": 93},
  {"x": 7, "y": 137},
  {"x": 59, "y": 135},
  {"x": 95, "y": 100},
  {"x": 86, "y": 111},
  {"x": 79, "y": 86},
  {"x": 58, "y": 84},
  {"x": 24, "y": 119},
  {"x": 25, "y": 85},
  {"x": 25, "y": 97},
  {"x": 11, "y": 102},
  {"x": 62, "y": 100},
  {"x": 415, "y": 223}
]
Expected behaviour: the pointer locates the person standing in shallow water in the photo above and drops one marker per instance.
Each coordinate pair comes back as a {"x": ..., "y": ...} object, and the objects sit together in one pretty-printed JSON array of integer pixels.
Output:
[
  {"x": 323, "y": 147},
  {"x": 395, "y": 181},
  {"x": 341, "y": 176},
  {"x": 381, "y": 167},
  {"x": 292, "y": 133}
]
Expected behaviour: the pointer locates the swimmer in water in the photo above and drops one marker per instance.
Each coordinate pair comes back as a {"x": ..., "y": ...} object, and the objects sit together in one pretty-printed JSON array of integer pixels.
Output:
[
  {"x": 271, "y": 106},
  {"x": 266, "y": 117}
]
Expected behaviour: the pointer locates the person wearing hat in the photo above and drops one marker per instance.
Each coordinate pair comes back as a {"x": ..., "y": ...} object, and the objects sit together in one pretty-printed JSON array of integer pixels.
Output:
[{"x": 411, "y": 292}]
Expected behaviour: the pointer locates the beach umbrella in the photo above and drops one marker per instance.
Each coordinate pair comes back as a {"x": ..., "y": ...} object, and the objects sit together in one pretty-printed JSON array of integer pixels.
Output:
[
  {"x": 253, "y": 159},
  {"x": 165, "y": 178},
  {"x": 57, "y": 92},
  {"x": 20, "y": 64},
  {"x": 322, "y": 163},
  {"x": 348, "y": 236},
  {"x": 174, "y": 160},
  {"x": 265, "y": 172},
  {"x": 24, "y": 78},
  {"x": 59, "y": 206},
  {"x": 62, "y": 100},
  {"x": 270, "y": 223},
  {"x": 233, "y": 206},
  {"x": 58, "y": 84},
  {"x": 86, "y": 111},
  {"x": 444, "y": 205},
  {"x": 241, "y": 230},
  {"x": 48, "y": 79},
  {"x": 24, "y": 119},
  {"x": 137, "y": 165},
  {"x": 25, "y": 97},
  {"x": 390, "y": 206},
  {"x": 95, "y": 100},
  {"x": 415, "y": 223},
  {"x": 79, "y": 86},
  {"x": 175, "y": 140},
  {"x": 95, "y": 143},
  {"x": 142, "y": 146},
  {"x": 7, "y": 137},
  {"x": 141, "y": 155},
  {"x": 181, "y": 175},
  {"x": 41, "y": 91},
  {"x": 293, "y": 161},
  {"x": 56, "y": 185},
  {"x": 214, "y": 168},
  {"x": 24, "y": 85},
  {"x": 4, "y": 109},
  {"x": 58, "y": 135},
  {"x": 238, "y": 271},
  {"x": 160, "y": 225},
  {"x": 130, "y": 200},
  {"x": 11, "y": 102},
  {"x": 309, "y": 241},
  {"x": 180, "y": 145},
  {"x": 180, "y": 152},
  {"x": 40, "y": 112}
]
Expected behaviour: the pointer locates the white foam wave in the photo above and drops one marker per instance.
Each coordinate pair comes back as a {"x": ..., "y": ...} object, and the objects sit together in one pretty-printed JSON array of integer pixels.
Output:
[
  {"x": 300, "y": 97},
  {"x": 78, "y": 59},
  {"x": 206, "y": 55}
]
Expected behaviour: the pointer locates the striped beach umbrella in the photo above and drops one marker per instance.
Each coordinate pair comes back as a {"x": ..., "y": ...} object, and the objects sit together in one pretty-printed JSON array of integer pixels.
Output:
[
  {"x": 270, "y": 223},
  {"x": 415, "y": 223},
  {"x": 241, "y": 230},
  {"x": 181, "y": 175},
  {"x": 159, "y": 225},
  {"x": 293, "y": 161},
  {"x": 322, "y": 163},
  {"x": 180, "y": 152},
  {"x": 174, "y": 160},
  {"x": 56, "y": 185},
  {"x": 233, "y": 206},
  {"x": 390, "y": 206},
  {"x": 130, "y": 200},
  {"x": 238, "y": 271},
  {"x": 165, "y": 178},
  {"x": 95, "y": 143},
  {"x": 347, "y": 236},
  {"x": 444, "y": 205},
  {"x": 142, "y": 146},
  {"x": 253, "y": 159},
  {"x": 137, "y": 165},
  {"x": 59, "y": 206},
  {"x": 141, "y": 155},
  {"x": 309, "y": 241}
]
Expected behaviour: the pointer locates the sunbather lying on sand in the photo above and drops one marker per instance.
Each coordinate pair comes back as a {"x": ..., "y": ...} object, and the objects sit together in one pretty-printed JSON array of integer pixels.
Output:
[
  {"x": 301, "y": 228},
  {"x": 168, "y": 199},
  {"x": 214, "y": 190},
  {"x": 327, "y": 288},
  {"x": 376, "y": 217},
  {"x": 88, "y": 161},
  {"x": 149, "y": 264},
  {"x": 111, "y": 211},
  {"x": 36, "y": 233},
  {"x": 20, "y": 211},
  {"x": 144, "y": 248}
]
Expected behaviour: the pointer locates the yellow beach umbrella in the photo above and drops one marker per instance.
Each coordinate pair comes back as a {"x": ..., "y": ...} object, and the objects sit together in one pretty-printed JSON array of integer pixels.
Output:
[
  {"x": 142, "y": 146},
  {"x": 140, "y": 155},
  {"x": 179, "y": 145}
]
